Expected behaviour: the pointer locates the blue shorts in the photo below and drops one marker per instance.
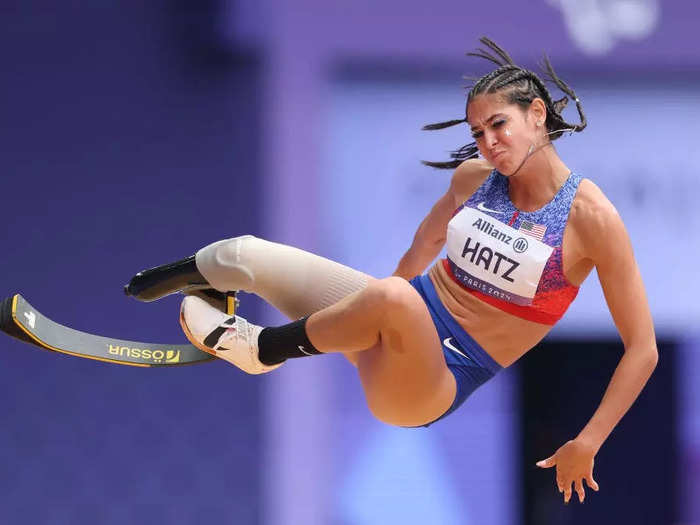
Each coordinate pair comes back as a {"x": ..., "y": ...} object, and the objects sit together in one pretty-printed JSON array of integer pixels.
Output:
[{"x": 468, "y": 362}]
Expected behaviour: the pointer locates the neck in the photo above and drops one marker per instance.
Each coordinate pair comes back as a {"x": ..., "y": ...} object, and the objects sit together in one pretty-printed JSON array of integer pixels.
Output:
[{"x": 538, "y": 179}]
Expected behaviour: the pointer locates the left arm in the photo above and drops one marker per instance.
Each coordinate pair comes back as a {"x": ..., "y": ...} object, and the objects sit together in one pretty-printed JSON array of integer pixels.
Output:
[{"x": 606, "y": 241}]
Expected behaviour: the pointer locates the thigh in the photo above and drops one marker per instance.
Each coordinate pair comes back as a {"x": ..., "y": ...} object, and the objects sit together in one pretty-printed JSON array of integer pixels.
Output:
[{"x": 405, "y": 377}]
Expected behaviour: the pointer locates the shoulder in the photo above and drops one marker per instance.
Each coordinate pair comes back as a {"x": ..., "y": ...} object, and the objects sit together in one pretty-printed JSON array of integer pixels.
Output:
[
  {"x": 467, "y": 178},
  {"x": 595, "y": 219},
  {"x": 591, "y": 209},
  {"x": 471, "y": 168}
]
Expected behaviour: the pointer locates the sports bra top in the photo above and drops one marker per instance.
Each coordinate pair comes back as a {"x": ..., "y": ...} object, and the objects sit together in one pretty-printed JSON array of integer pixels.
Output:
[{"x": 509, "y": 258}]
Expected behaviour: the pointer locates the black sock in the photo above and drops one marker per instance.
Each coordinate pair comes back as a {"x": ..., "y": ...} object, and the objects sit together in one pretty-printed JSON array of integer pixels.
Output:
[{"x": 282, "y": 342}]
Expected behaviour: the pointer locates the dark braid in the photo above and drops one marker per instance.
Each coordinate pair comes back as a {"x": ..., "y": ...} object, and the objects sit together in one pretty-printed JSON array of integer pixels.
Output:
[
  {"x": 522, "y": 87},
  {"x": 504, "y": 57}
]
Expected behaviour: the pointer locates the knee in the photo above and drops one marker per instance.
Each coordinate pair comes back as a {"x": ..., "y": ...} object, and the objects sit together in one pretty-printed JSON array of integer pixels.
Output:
[
  {"x": 225, "y": 248},
  {"x": 394, "y": 293},
  {"x": 222, "y": 263},
  {"x": 223, "y": 251}
]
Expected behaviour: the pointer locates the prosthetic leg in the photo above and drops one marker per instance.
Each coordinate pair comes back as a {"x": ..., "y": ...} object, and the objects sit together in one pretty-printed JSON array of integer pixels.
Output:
[
  {"x": 179, "y": 277},
  {"x": 296, "y": 282}
]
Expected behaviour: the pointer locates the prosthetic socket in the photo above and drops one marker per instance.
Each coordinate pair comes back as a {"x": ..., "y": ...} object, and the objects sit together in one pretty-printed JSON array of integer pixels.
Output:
[{"x": 294, "y": 281}]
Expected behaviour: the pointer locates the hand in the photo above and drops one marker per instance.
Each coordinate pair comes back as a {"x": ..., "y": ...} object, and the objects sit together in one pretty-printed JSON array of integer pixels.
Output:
[{"x": 574, "y": 462}]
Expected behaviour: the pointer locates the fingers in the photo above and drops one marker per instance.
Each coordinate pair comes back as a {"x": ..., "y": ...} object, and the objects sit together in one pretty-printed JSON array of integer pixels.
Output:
[
  {"x": 563, "y": 486},
  {"x": 566, "y": 489},
  {"x": 572, "y": 467},
  {"x": 547, "y": 463},
  {"x": 591, "y": 482},
  {"x": 578, "y": 485}
]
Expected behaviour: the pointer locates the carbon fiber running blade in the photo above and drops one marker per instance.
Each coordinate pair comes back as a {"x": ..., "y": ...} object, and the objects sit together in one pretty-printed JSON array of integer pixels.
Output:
[{"x": 21, "y": 320}]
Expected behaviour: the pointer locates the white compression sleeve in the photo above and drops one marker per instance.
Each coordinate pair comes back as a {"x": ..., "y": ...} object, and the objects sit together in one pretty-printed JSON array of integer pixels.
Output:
[{"x": 296, "y": 282}]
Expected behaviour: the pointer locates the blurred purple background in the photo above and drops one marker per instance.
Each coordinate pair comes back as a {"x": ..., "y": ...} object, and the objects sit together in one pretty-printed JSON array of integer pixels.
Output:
[{"x": 135, "y": 133}]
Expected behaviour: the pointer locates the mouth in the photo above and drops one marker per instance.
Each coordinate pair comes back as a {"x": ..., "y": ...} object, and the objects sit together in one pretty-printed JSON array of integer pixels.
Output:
[{"x": 496, "y": 154}]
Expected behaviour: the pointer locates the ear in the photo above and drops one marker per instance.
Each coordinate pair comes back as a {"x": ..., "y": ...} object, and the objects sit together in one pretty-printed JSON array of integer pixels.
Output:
[{"x": 538, "y": 111}]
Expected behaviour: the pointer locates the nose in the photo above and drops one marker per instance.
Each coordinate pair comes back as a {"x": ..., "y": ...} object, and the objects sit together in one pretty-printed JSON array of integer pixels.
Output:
[{"x": 490, "y": 139}]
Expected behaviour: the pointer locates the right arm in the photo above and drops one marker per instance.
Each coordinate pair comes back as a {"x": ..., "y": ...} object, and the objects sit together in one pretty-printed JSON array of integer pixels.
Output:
[{"x": 432, "y": 232}]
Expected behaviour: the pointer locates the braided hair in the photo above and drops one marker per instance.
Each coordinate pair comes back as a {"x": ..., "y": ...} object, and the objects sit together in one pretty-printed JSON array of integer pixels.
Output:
[{"x": 521, "y": 87}]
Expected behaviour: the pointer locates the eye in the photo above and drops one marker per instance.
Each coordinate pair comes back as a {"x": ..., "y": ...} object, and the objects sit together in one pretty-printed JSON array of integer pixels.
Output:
[
  {"x": 477, "y": 134},
  {"x": 499, "y": 123}
]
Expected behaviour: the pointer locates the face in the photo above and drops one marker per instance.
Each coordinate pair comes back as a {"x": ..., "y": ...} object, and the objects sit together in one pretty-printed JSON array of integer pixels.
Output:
[{"x": 504, "y": 132}]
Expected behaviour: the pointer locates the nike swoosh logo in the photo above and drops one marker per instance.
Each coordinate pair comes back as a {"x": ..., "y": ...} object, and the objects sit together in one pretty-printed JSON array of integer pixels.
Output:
[
  {"x": 449, "y": 345},
  {"x": 303, "y": 350},
  {"x": 481, "y": 207}
]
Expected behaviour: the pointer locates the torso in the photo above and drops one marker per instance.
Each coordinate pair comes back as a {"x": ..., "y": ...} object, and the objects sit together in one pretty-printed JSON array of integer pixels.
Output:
[{"x": 504, "y": 336}]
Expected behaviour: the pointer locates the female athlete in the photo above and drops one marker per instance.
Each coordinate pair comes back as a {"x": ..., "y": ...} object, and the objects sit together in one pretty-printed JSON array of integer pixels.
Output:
[{"x": 522, "y": 232}]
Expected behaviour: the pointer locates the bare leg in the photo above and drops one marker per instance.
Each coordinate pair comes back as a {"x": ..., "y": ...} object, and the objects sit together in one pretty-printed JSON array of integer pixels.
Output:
[
  {"x": 388, "y": 327},
  {"x": 400, "y": 360}
]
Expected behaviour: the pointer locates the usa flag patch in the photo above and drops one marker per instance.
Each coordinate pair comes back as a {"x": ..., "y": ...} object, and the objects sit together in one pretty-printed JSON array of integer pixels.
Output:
[{"x": 532, "y": 229}]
